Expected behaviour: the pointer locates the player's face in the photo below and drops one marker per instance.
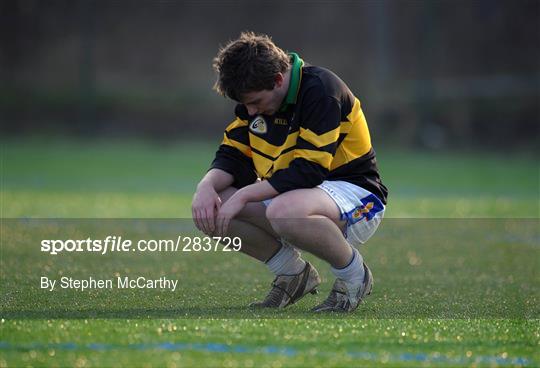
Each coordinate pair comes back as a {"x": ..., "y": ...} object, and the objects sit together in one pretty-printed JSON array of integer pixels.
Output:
[{"x": 265, "y": 102}]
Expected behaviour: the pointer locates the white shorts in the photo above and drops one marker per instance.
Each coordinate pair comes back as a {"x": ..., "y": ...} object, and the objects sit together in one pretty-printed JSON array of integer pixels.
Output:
[{"x": 362, "y": 209}]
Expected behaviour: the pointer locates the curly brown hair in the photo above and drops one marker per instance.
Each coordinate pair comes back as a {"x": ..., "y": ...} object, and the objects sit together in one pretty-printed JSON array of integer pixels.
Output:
[{"x": 248, "y": 64}]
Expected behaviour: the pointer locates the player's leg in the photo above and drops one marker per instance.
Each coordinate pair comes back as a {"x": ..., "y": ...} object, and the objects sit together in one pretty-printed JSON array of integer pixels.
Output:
[
  {"x": 311, "y": 219},
  {"x": 294, "y": 276}
]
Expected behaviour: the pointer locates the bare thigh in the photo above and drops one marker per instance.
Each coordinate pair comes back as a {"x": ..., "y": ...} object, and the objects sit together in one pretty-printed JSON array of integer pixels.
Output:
[{"x": 305, "y": 203}]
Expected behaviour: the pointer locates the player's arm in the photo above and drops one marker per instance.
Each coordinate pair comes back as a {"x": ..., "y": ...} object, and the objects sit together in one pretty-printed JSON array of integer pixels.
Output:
[
  {"x": 234, "y": 154},
  {"x": 216, "y": 180},
  {"x": 232, "y": 166},
  {"x": 206, "y": 201}
]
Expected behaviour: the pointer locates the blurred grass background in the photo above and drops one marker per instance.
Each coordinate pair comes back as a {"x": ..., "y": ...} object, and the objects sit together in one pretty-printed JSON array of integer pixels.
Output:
[
  {"x": 110, "y": 104},
  {"x": 53, "y": 177}
]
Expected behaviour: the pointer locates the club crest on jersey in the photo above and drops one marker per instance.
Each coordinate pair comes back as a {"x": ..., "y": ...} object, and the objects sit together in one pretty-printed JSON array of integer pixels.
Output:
[
  {"x": 370, "y": 206},
  {"x": 258, "y": 125}
]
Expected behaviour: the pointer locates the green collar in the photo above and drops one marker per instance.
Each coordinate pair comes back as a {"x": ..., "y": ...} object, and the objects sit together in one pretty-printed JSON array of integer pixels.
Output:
[{"x": 294, "y": 83}]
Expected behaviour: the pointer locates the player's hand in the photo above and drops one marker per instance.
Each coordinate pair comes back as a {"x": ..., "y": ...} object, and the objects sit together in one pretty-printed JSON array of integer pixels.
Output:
[
  {"x": 227, "y": 212},
  {"x": 204, "y": 208}
]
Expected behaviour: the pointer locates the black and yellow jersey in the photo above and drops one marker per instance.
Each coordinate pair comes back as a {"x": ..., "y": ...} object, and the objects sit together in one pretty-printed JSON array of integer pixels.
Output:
[{"x": 320, "y": 133}]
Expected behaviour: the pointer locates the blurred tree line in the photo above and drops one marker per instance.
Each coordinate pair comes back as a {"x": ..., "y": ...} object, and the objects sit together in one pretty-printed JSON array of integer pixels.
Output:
[{"x": 434, "y": 74}]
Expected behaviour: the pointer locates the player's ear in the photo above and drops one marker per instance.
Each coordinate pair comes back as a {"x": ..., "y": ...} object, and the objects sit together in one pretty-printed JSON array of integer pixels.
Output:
[{"x": 278, "y": 80}]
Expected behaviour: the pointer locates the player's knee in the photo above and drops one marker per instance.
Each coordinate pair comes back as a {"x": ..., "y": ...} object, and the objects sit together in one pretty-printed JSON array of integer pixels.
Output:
[{"x": 284, "y": 215}]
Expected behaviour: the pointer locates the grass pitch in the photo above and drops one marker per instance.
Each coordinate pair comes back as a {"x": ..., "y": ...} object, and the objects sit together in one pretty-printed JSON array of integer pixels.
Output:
[{"x": 455, "y": 265}]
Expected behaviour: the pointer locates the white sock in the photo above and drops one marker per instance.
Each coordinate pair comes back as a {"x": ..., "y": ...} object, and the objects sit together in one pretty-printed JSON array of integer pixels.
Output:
[
  {"x": 286, "y": 261},
  {"x": 353, "y": 273}
]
